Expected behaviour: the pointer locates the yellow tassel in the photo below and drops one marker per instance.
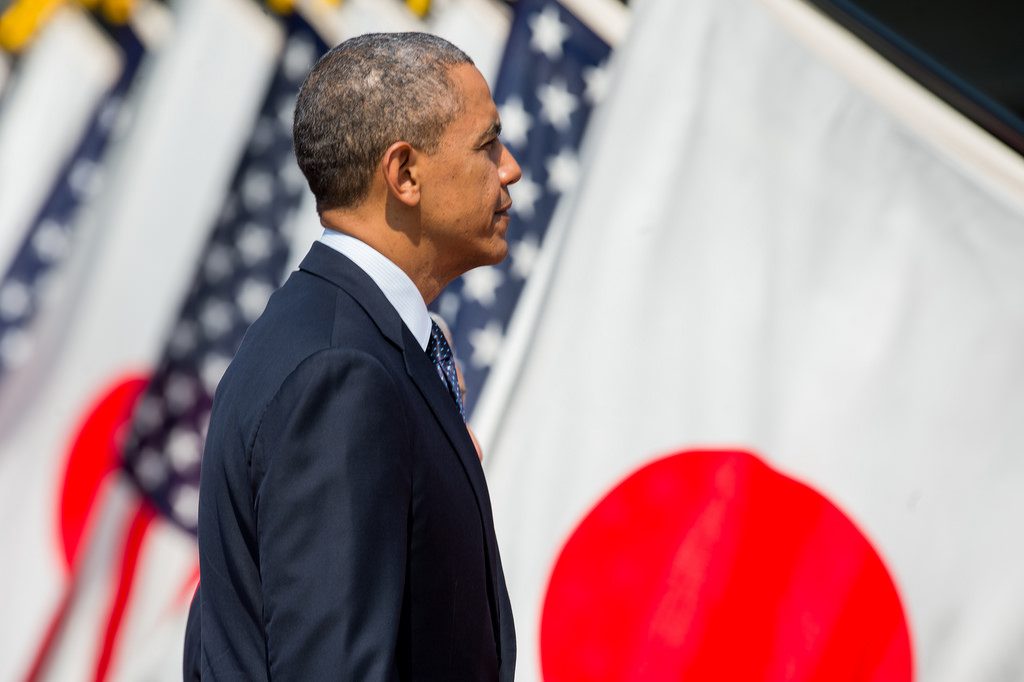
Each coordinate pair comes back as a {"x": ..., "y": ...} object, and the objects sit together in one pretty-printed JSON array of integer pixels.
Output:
[
  {"x": 281, "y": 6},
  {"x": 118, "y": 11},
  {"x": 20, "y": 22},
  {"x": 419, "y": 7}
]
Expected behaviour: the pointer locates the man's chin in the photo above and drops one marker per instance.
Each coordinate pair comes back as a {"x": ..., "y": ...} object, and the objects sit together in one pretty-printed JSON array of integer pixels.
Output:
[{"x": 497, "y": 255}]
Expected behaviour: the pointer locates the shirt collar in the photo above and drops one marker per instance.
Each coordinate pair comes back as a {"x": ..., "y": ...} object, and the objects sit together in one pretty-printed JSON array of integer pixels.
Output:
[{"x": 393, "y": 282}]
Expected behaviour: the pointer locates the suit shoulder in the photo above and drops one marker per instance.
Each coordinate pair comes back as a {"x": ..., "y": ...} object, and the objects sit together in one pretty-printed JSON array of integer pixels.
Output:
[
  {"x": 334, "y": 396},
  {"x": 339, "y": 368}
]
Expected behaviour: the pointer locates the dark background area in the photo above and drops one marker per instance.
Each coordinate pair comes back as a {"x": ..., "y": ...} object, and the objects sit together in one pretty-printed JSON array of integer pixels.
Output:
[{"x": 982, "y": 41}]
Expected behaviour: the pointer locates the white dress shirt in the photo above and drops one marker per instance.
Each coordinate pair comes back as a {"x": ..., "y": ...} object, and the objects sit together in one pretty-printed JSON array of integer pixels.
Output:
[{"x": 396, "y": 285}]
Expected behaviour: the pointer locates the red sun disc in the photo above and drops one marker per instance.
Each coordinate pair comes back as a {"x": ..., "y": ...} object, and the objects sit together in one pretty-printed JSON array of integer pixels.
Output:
[{"x": 709, "y": 565}]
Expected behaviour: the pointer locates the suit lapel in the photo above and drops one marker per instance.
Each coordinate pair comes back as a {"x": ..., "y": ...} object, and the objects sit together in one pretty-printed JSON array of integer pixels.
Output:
[
  {"x": 435, "y": 393},
  {"x": 325, "y": 262},
  {"x": 423, "y": 373}
]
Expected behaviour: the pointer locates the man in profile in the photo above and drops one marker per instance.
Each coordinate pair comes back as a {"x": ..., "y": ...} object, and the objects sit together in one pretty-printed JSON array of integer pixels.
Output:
[{"x": 345, "y": 528}]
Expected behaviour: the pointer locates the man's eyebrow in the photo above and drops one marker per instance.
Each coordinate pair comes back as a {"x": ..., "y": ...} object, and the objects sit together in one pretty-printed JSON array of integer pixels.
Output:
[{"x": 493, "y": 130}]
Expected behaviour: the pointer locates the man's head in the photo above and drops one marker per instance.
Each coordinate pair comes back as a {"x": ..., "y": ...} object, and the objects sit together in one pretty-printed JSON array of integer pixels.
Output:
[
  {"x": 363, "y": 95},
  {"x": 398, "y": 137}
]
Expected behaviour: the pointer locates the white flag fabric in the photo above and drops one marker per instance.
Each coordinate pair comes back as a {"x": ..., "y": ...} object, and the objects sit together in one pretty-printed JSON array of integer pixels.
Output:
[
  {"x": 49, "y": 102},
  {"x": 133, "y": 259},
  {"x": 761, "y": 257}
]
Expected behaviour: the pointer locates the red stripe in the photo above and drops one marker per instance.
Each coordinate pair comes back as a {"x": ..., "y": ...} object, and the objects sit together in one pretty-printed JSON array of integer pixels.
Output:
[
  {"x": 71, "y": 586},
  {"x": 52, "y": 630},
  {"x": 141, "y": 521}
]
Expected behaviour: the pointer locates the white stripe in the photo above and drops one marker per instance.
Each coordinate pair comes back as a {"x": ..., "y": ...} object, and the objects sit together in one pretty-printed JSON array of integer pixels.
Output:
[
  {"x": 76, "y": 650},
  {"x": 151, "y": 641},
  {"x": 48, "y": 105}
]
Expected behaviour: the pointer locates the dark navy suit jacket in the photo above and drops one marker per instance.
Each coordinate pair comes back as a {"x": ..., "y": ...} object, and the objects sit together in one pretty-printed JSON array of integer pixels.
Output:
[{"x": 345, "y": 528}]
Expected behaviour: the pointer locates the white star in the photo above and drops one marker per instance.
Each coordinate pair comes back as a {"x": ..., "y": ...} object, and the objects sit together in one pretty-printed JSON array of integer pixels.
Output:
[
  {"x": 183, "y": 339},
  {"x": 108, "y": 114},
  {"x": 486, "y": 344},
  {"x": 46, "y": 288},
  {"x": 262, "y": 136},
  {"x": 480, "y": 284},
  {"x": 183, "y": 449},
  {"x": 286, "y": 113},
  {"x": 563, "y": 171},
  {"x": 598, "y": 80},
  {"x": 15, "y": 347},
  {"x": 254, "y": 244},
  {"x": 15, "y": 299},
  {"x": 85, "y": 178},
  {"x": 448, "y": 306},
  {"x": 524, "y": 196},
  {"x": 213, "y": 369},
  {"x": 50, "y": 241},
  {"x": 252, "y": 298},
  {"x": 216, "y": 318},
  {"x": 123, "y": 120},
  {"x": 185, "y": 503},
  {"x": 557, "y": 104},
  {"x": 219, "y": 263},
  {"x": 151, "y": 469},
  {"x": 548, "y": 33},
  {"x": 148, "y": 414},
  {"x": 299, "y": 56},
  {"x": 524, "y": 256},
  {"x": 515, "y": 121},
  {"x": 180, "y": 392},
  {"x": 290, "y": 175},
  {"x": 257, "y": 189}
]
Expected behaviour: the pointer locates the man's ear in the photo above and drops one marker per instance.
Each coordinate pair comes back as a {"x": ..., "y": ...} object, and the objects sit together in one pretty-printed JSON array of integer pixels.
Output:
[{"x": 401, "y": 172}]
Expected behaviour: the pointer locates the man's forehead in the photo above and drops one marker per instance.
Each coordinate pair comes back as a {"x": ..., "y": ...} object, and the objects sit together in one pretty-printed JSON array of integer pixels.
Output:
[
  {"x": 473, "y": 87},
  {"x": 478, "y": 108}
]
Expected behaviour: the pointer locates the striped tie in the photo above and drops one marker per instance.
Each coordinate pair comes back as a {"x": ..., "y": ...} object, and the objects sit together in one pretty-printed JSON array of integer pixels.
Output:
[{"x": 441, "y": 355}]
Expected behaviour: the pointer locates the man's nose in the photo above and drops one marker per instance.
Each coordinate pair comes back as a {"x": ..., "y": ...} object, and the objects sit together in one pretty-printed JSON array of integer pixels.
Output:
[{"x": 509, "y": 171}]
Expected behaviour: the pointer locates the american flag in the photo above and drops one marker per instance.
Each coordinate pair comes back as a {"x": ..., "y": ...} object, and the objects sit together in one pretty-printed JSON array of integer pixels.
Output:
[
  {"x": 47, "y": 241},
  {"x": 552, "y": 76},
  {"x": 242, "y": 264}
]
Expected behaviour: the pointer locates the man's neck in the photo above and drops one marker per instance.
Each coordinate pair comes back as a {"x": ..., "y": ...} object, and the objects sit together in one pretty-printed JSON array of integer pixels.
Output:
[{"x": 395, "y": 245}]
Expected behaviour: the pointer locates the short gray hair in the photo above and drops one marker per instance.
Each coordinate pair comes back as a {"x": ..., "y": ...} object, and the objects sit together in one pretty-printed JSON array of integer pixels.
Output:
[{"x": 363, "y": 96}]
